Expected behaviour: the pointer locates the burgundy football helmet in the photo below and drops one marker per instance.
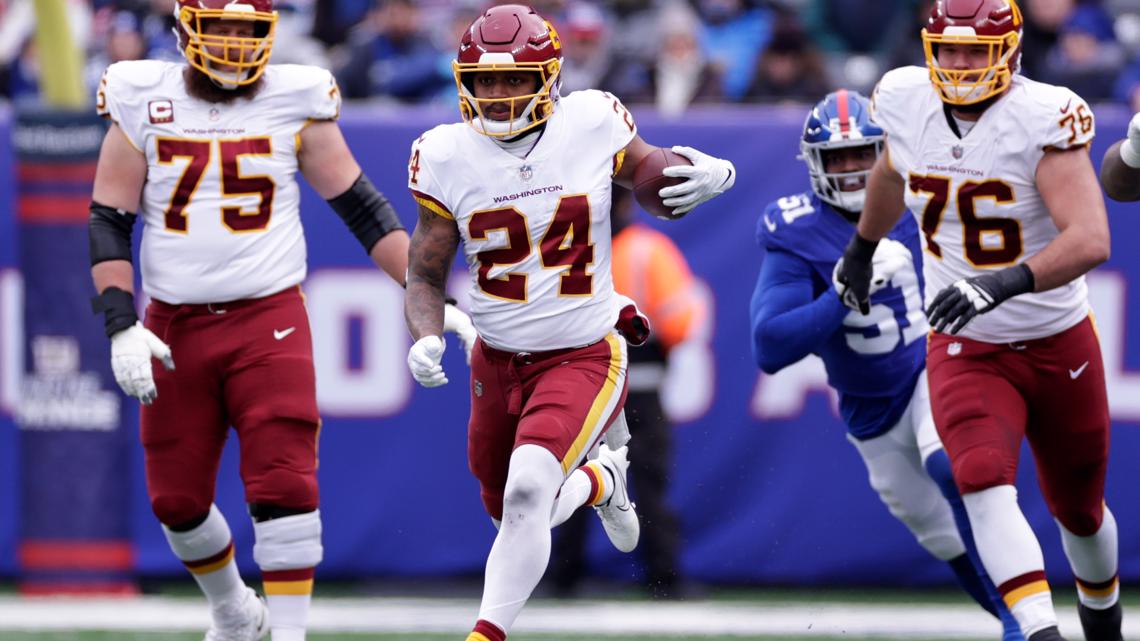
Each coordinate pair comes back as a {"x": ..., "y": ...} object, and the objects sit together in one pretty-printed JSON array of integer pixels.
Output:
[
  {"x": 230, "y": 61},
  {"x": 510, "y": 37},
  {"x": 995, "y": 24}
]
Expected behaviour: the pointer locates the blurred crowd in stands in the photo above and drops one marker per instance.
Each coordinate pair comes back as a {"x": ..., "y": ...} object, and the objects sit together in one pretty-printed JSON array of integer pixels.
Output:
[{"x": 666, "y": 53}]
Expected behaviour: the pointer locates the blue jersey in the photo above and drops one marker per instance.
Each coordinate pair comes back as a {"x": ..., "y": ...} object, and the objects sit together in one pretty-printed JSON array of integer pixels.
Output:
[{"x": 873, "y": 361}]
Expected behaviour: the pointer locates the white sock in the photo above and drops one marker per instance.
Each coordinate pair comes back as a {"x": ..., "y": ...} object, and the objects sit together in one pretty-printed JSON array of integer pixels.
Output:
[
  {"x": 288, "y": 550},
  {"x": 1094, "y": 562},
  {"x": 208, "y": 552},
  {"x": 1009, "y": 550},
  {"x": 521, "y": 551},
  {"x": 590, "y": 484}
]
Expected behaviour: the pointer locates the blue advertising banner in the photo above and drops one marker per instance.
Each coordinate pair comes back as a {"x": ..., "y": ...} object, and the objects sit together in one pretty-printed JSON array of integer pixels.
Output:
[
  {"x": 74, "y": 535},
  {"x": 11, "y": 353},
  {"x": 768, "y": 489}
]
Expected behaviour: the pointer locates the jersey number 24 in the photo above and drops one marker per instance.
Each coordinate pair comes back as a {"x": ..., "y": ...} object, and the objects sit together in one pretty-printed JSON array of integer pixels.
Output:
[{"x": 565, "y": 244}]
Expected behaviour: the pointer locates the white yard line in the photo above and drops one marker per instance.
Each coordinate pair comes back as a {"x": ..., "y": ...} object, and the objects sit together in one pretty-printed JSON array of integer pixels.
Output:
[{"x": 793, "y": 619}]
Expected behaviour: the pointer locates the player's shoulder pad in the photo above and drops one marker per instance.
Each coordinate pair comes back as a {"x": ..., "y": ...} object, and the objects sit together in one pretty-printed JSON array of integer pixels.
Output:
[
  {"x": 786, "y": 220},
  {"x": 138, "y": 74},
  {"x": 893, "y": 97},
  {"x": 440, "y": 143},
  {"x": 309, "y": 90},
  {"x": 1056, "y": 116},
  {"x": 126, "y": 85},
  {"x": 591, "y": 108}
]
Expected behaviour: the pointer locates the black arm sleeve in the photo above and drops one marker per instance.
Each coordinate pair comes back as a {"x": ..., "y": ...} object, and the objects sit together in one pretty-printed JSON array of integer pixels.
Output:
[
  {"x": 109, "y": 233},
  {"x": 367, "y": 212},
  {"x": 118, "y": 309}
]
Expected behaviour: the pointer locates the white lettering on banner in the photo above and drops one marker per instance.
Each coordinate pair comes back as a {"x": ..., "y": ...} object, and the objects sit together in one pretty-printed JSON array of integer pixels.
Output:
[
  {"x": 690, "y": 380},
  {"x": 1108, "y": 296},
  {"x": 783, "y": 395},
  {"x": 381, "y": 385},
  {"x": 11, "y": 338},
  {"x": 57, "y": 395}
]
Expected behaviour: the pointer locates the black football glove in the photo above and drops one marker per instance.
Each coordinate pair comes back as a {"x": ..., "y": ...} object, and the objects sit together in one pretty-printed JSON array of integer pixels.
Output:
[
  {"x": 853, "y": 272},
  {"x": 959, "y": 303}
]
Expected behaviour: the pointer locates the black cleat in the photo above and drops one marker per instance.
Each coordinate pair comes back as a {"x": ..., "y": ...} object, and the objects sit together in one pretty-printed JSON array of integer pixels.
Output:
[
  {"x": 1101, "y": 625},
  {"x": 1050, "y": 633}
]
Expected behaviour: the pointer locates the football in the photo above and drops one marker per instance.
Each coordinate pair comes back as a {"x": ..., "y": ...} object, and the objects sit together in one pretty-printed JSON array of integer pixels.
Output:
[{"x": 648, "y": 180}]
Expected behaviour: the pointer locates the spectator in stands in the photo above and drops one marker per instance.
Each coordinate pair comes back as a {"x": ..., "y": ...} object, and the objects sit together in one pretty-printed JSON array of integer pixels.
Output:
[
  {"x": 585, "y": 46},
  {"x": 18, "y": 60},
  {"x": 790, "y": 67},
  {"x": 857, "y": 37},
  {"x": 123, "y": 41},
  {"x": 1087, "y": 57},
  {"x": 683, "y": 75},
  {"x": 736, "y": 31},
  {"x": 1043, "y": 20},
  {"x": 1127, "y": 88},
  {"x": 632, "y": 52},
  {"x": 389, "y": 55},
  {"x": 333, "y": 19}
]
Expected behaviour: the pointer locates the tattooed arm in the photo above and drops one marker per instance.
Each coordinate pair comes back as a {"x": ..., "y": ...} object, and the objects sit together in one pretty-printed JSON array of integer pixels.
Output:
[{"x": 429, "y": 261}]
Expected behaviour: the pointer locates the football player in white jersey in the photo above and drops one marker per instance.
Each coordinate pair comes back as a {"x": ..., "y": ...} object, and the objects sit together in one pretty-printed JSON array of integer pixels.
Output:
[
  {"x": 997, "y": 171},
  {"x": 525, "y": 183},
  {"x": 1120, "y": 170},
  {"x": 207, "y": 154}
]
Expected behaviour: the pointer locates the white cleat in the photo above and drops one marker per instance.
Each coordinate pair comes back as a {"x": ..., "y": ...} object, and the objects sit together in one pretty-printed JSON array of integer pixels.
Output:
[
  {"x": 245, "y": 618},
  {"x": 617, "y": 515}
]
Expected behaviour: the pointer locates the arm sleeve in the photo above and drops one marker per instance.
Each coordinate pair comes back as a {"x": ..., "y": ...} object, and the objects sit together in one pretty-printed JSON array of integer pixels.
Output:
[{"x": 787, "y": 324}]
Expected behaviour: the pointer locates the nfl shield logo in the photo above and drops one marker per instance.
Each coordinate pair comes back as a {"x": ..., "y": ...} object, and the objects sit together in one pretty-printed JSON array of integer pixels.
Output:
[
  {"x": 953, "y": 349},
  {"x": 526, "y": 172},
  {"x": 956, "y": 151},
  {"x": 478, "y": 388}
]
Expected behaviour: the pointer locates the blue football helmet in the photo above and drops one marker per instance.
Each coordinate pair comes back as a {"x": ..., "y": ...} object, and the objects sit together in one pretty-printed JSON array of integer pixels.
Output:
[{"x": 841, "y": 120}]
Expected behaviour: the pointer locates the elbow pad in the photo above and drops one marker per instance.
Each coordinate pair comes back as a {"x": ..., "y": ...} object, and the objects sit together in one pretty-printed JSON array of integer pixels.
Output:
[
  {"x": 367, "y": 212},
  {"x": 109, "y": 233}
]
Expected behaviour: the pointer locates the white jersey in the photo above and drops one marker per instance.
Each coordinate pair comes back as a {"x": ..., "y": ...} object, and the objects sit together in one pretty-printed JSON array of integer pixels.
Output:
[
  {"x": 221, "y": 204},
  {"x": 976, "y": 198},
  {"x": 536, "y": 231}
]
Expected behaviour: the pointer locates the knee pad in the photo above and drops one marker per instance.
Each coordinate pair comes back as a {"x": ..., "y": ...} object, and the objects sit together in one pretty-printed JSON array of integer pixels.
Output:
[
  {"x": 180, "y": 511},
  {"x": 288, "y": 543},
  {"x": 981, "y": 468},
  {"x": 209, "y": 538},
  {"x": 286, "y": 488}
]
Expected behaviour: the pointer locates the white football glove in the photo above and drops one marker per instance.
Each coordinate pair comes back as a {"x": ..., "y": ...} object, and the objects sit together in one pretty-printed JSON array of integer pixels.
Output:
[
  {"x": 1130, "y": 150},
  {"x": 890, "y": 257},
  {"x": 708, "y": 177},
  {"x": 423, "y": 361},
  {"x": 455, "y": 320},
  {"x": 131, "y": 351}
]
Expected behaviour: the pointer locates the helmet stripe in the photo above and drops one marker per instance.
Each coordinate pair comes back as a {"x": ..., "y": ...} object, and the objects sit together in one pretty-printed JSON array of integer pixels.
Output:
[{"x": 844, "y": 112}]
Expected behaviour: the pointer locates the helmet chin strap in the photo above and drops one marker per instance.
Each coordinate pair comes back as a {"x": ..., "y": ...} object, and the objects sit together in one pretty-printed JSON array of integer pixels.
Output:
[{"x": 228, "y": 85}]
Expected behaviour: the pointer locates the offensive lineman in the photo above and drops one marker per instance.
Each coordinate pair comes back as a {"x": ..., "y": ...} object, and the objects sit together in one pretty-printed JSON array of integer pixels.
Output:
[
  {"x": 995, "y": 168},
  {"x": 796, "y": 312},
  {"x": 526, "y": 183},
  {"x": 207, "y": 154}
]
